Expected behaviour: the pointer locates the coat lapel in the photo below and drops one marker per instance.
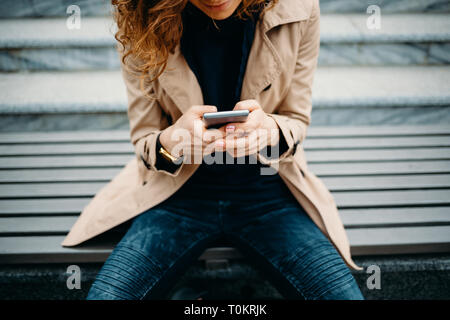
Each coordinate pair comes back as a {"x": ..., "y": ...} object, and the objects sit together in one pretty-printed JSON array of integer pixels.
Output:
[
  {"x": 180, "y": 83},
  {"x": 263, "y": 67}
]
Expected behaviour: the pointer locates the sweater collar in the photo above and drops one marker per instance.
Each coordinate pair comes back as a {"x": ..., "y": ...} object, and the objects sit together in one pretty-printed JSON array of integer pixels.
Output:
[{"x": 196, "y": 20}]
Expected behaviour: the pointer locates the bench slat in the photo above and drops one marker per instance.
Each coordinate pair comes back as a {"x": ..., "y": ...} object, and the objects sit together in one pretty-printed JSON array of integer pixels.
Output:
[
  {"x": 322, "y": 170},
  {"x": 385, "y": 217},
  {"x": 379, "y": 131},
  {"x": 65, "y": 136},
  {"x": 378, "y": 155},
  {"x": 377, "y": 168},
  {"x": 101, "y": 161},
  {"x": 361, "y": 218},
  {"x": 66, "y": 149},
  {"x": 64, "y": 161},
  {"x": 363, "y": 242},
  {"x": 58, "y": 175},
  {"x": 43, "y": 206},
  {"x": 387, "y": 182},
  {"x": 369, "y": 241},
  {"x": 41, "y": 155},
  {"x": 86, "y": 189},
  {"x": 313, "y": 132},
  {"x": 309, "y": 144},
  {"x": 356, "y": 142},
  {"x": 347, "y": 199},
  {"x": 392, "y": 198},
  {"x": 29, "y": 225}
]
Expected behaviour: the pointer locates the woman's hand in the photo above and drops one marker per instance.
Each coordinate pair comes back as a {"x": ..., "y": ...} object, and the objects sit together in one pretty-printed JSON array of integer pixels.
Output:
[
  {"x": 245, "y": 138},
  {"x": 188, "y": 136}
]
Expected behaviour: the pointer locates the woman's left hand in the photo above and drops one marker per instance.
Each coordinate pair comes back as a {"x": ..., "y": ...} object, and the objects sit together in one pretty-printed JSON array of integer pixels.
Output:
[{"x": 245, "y": 138}]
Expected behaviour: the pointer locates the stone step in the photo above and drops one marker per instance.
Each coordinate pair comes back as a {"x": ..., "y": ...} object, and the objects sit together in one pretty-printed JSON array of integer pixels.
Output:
[
  {"x": 410, "y": 39},
  {"x": 47, "y": 44},
  {"x": 386, "y": 6},
  {"x": 53, "y": 8},
  {"x": 342, "y": 96}
]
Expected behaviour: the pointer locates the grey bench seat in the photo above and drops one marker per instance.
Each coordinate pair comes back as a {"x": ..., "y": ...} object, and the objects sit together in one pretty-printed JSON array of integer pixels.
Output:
[{"x": 391, "y": 185}]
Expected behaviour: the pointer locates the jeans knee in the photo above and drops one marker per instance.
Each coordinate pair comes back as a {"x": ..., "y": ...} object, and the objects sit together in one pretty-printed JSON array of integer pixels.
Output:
[
  {"x": 127, "y": 274},
  {"x": 316, "y": 268}
]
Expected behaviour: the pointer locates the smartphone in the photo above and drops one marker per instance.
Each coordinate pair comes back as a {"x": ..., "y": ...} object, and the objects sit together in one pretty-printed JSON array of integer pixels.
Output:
[{"x": 215, "y": 119}]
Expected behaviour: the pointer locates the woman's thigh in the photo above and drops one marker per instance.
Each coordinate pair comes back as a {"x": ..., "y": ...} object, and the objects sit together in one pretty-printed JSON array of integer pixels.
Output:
[
  {"x": 145, "y": 263},
  {"x": 297, "y": 256}
]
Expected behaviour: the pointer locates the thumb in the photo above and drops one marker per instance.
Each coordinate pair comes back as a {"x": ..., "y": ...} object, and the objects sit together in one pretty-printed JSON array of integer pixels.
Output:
[
  {"x": 199, "y": 110},
  {"x": 250, "y": 105}
]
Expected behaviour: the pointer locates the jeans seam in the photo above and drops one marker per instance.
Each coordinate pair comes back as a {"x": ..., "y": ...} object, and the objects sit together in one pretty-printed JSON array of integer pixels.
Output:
[
  {"x": 301, "y": 249},
  {"x": 140, "y": 254},
  {"x": 343, "y": 284},
  {"x": 143, "y": 255},
  {"x": 309, "y": 271},
  {"x": 115, "y": 279},
  {"x": 99, "y": 286},
  {"x": 106, "y": 275}
]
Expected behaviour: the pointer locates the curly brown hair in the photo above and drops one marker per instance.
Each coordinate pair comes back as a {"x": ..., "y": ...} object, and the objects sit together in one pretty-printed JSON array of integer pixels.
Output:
[{"x": 149, "y": 30}]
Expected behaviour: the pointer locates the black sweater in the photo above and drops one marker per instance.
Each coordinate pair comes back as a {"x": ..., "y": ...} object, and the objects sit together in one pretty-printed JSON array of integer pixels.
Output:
[{"x": 218, "y": 58}]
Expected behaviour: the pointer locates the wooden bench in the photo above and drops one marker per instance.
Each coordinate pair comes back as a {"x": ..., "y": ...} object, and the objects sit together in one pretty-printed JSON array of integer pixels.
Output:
[{"x": 391, "y": 185}]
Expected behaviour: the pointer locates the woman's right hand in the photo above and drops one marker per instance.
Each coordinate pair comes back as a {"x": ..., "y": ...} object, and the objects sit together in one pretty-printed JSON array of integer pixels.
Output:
[{"x": 188, "y": 136}]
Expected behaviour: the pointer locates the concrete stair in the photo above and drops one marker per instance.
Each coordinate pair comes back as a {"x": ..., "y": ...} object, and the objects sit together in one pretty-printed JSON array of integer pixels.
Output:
[
  {"x": 47, "y": 44},
  {"x": 382, "y": 95},
  {"x": 73, "y": 82}
]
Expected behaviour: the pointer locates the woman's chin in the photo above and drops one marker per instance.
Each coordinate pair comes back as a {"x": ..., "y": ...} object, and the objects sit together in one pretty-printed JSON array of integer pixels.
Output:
[{"x": 217, "y": 12}]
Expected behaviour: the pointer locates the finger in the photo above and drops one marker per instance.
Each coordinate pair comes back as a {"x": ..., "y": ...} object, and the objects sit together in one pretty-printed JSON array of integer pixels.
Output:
[
  {"x": 243, "y": 146},
  {"x": 250, "y": 105},
  {"x": 235, "y": 146},
  {"x": 199, "y": 110},
  {"x": 219, "y": 145},
  {"x": 211, "y": 135},
  {"x": 240, "y": 128}
]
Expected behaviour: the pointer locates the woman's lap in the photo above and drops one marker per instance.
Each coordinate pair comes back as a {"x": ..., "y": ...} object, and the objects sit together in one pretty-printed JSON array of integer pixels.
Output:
[
  {"x": 149, "y": 255},
  {"x": 161, "y": 242}
]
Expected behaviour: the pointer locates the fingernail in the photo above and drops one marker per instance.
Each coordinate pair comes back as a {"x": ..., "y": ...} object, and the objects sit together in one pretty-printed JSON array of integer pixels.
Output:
[
  {"x": 220, "y": 143},
  {"x": 230, "y": 128}
]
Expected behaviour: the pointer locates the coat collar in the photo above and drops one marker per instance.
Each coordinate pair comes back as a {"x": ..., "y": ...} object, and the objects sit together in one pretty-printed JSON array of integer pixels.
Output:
[{"x": 263, "y": 66}]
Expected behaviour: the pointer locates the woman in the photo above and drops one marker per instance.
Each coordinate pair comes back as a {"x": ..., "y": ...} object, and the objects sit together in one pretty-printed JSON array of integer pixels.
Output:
[{"x": 184, "y": 58}]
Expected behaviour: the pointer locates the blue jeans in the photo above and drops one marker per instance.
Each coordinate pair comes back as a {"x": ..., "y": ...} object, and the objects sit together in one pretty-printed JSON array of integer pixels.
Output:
[{"x": 276, "y": 234}]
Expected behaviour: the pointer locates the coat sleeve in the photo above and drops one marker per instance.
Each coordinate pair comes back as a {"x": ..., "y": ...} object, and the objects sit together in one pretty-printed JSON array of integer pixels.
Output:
[
  {"x": 294, "y": 113},
  {"x": 146, "y": 118}
]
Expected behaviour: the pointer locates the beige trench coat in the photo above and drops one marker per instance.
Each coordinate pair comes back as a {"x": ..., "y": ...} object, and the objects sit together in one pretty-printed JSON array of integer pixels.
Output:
[{"x": 279, "y": 75}]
